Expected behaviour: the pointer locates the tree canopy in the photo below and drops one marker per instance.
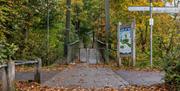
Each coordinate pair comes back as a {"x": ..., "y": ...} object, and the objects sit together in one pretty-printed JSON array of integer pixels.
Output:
[{"x": 24, "y": 23}]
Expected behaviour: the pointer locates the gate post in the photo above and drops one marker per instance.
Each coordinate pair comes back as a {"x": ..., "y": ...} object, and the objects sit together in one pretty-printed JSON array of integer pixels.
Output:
[
  {"x": 10, "y": 73},
  {"x": 69, "y": 55},
  {"x": 37, "y": 75},
  {"x": 4, "y": 79}
]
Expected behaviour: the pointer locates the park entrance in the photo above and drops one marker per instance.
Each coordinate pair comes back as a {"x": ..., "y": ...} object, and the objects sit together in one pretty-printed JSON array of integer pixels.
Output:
[{"x": 94, "y": 50}]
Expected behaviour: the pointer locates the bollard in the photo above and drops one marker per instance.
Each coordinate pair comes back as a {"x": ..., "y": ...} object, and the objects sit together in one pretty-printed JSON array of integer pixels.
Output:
[
  {"x": 69, "y": 56},
  {"x": 4, "y": 79},
  {"x": 37, "y": 75},
  {"x": 10, "y": 73}
]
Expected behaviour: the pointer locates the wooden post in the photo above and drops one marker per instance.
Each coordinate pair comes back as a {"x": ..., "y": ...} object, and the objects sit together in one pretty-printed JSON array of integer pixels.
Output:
[
  {"x": 87, "y": 55},
  {"x": 107, "y": 28},
  {"x": 4, "y": 79},
  {"x": 134, "y": 43},
  {"x": 11, "y": 76},
  {"x": 118, "y": 44},
  {"x": 69, "y": 56},
  {"x": 37, "y": 76}
]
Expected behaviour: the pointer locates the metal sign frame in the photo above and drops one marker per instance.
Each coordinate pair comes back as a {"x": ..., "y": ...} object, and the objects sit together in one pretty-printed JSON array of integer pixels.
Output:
[
  {"x": 151, "y": 9},
  {"x": 155, "y": 9}
]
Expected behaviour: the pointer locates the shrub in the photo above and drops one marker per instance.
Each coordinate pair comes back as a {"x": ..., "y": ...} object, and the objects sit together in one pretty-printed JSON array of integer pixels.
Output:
[
  {"x": 172, "y": 69},
  {"x": 7, "y": 51}
]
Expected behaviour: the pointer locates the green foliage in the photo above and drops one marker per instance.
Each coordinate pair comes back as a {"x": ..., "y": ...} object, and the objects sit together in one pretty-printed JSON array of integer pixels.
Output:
[
  {"x": 7, "y": 51},
  {"x": 84, "y": 14},
  {"x": 165, "y": 35},
  {"x": 172, "y": 69},
  {"x": 142, "y": 64},
  {"x": 23, "y": 23}
]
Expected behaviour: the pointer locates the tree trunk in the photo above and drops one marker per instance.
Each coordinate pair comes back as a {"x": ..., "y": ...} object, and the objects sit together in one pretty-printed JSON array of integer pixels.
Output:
[
  {"x": 107, "y": 28},
  {"x": 68, "y": 27}
]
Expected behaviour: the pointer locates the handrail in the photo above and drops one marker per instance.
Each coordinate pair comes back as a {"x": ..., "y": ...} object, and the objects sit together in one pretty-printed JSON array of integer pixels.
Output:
[
  {"x": 2, "y": 66},
  {"x": 113, "y": 49},
  {"x": 101, "y": 42},
  {"x": 71, "y": 50},
  {"x": 70, "y": 44},
  {"x": 105, "y": 44}
]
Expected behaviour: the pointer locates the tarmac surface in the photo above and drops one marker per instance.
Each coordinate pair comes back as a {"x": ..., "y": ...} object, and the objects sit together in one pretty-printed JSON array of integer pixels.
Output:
[{"x": 83, "y": 75}]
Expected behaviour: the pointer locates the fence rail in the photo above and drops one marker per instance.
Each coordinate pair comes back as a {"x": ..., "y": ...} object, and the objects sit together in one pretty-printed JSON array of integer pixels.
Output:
[
  {"x": 2, "y": 66},
  {"x": 8, "y": 73},
  {"x": 25, "y": 63}
]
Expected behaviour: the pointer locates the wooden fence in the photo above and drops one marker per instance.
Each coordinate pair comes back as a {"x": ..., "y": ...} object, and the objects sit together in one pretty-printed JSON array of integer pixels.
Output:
[{"x": 8, "y": 73}]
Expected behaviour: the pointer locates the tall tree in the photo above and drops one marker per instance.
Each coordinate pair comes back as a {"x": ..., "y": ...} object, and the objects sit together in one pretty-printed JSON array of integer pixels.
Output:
[
  {"x": 68, "y": 27},
  {"x": 107, "y": 3}
]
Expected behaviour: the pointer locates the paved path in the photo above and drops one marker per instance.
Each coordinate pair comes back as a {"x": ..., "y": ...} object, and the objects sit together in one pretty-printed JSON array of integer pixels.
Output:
[
  {"x": 25, "y": 76},
  {"x": 45, "y": 76},
  {"x": 87, "y": 77},
  {"x": 142, "y": 78}
]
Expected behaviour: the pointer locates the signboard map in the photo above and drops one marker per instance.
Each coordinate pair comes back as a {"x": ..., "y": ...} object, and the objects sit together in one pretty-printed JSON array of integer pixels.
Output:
[
  {"x": 125, "y": 39},
  {"x": 126, "y": 44}
]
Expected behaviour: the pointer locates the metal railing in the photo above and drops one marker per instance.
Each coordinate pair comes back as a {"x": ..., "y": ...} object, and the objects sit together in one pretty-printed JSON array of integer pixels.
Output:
[{"x": 73, "y": 51}]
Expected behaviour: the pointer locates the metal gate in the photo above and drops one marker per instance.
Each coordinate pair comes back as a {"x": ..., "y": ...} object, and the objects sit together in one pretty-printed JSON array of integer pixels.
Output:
[{"x": 89, "y": 55}]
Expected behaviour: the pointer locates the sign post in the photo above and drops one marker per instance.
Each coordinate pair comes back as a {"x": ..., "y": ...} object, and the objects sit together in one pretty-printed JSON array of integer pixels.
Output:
[
  {"x": 126, "y": 42},
  {"x": 118, "y": 36},
  {"x": 133, "y": 26},
  {"x": 151, "y": 22},
  {"x": 152, "y": 10}
]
